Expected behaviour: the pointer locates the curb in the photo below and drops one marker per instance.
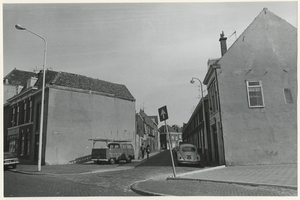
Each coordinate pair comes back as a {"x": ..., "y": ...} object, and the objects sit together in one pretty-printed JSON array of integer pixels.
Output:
[
  {"x": 221, "y": 181},
  {"x": 28, "y": 173},
  {"x": 234, "y": 182},
  {"x": 53, "y": 174},
  {"x": 134, "y": 187},
  {"x": 200, "y": 171}
]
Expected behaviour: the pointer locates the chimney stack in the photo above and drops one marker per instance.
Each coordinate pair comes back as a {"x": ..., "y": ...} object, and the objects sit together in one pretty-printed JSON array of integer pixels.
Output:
[{"x": 223, "y": 43}]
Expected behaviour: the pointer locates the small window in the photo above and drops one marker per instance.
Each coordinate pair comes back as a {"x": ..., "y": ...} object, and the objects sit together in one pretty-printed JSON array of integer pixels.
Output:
[
  {"x": 288, "y": 96},
  {"x": 255, "y": 94}
]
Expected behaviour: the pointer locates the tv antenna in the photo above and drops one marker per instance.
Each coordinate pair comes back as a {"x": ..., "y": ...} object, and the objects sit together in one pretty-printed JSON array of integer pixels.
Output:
[{"x": 232, "y": 35}]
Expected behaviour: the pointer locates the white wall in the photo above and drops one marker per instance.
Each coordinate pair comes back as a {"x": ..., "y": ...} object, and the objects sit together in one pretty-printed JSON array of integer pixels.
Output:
[{"x": 75, "y": 117}]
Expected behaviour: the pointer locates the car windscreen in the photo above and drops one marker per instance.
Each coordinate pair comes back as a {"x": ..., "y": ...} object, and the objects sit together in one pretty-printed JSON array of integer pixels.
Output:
[{"x": 188, "y": 149}]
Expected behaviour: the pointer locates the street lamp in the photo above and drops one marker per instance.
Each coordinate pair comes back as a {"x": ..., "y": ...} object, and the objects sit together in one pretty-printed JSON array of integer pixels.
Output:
[
  {"x": 19, "y": 27},
  {"x": 203, "y": 110}
]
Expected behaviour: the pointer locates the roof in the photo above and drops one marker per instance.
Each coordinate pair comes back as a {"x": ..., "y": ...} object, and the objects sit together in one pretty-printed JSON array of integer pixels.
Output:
[
  {"x": 86, "y": 83},
  {"x": 72, "y": 81},
  {"x": 266, "y": 29},
  {"x": 148, "y": 120},
  {"x": 18, "y": 77}
]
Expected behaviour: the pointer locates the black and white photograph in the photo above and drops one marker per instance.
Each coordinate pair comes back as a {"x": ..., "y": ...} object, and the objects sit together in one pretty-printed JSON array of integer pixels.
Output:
[{"x": 149, "y": 98}]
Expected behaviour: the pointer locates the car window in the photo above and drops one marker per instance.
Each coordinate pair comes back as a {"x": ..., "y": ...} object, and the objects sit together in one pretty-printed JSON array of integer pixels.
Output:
[
  {"x": 114, "y": 146},
  {"x": 124, "y": 146},
  {"x": 186, "y": 149}
]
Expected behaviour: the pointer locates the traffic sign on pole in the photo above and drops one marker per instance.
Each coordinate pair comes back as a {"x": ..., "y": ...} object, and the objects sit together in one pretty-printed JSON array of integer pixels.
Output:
[
  {"x": 163, "y": 113},
  {"x": 163, "y": 116}
]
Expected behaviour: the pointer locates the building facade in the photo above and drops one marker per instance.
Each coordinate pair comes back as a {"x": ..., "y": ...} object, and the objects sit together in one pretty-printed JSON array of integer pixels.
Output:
[
  {"x": 195, "y": 132},
  {"x": 252, "y": 91},
  {"x": 146, "y": 132},
  {"x": 76, "y": 108},
  {"x": 175, "y": 136}
]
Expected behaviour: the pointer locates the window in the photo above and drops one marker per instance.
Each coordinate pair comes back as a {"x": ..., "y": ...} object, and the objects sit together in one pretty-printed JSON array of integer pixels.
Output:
[
  {"x": 23, "y": 145},
  {"x": 18, "y": 112},
  {"x": 188, "y": 149},
  {"x": 25, "y": 113},
  {"x": 30, "y": 111},
  {"x": 255, "y": 94},
  {"x": 13, "y": 116},
  {"x": 28, "y": 143},
  {"x": 288, "y": 96}
]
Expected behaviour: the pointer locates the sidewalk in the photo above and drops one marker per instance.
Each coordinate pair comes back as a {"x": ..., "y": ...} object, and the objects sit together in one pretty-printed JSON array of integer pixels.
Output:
[{"x": 283, "y": 176}]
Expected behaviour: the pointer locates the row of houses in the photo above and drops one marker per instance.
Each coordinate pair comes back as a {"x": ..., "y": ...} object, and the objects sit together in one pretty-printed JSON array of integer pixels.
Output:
[
  {"x": 250, "y": 111},
  {"x": 77, "y": 109}
]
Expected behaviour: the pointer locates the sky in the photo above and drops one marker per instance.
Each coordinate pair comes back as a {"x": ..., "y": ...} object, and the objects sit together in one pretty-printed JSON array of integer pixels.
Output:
[{"x": 154, "y": 49}]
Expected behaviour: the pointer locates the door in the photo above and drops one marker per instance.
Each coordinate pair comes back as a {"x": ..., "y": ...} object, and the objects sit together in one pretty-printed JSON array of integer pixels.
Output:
[{"x": 215, "y": 142}]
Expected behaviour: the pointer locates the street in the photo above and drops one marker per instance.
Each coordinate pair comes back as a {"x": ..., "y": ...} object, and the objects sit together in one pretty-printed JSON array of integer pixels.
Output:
[
  {"x": 118, "y": 182},
  {"x": 111, "y": 183}
]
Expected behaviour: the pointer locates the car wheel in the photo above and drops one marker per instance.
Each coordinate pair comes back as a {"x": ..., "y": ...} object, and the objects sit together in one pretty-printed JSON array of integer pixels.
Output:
[
  {"x": 128, "y": 160},
  {"x": 112, "y": 161}
]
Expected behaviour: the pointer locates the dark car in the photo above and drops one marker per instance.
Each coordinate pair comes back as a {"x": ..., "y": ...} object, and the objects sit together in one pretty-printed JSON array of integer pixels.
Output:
[
  {"x": 186, "y": 154},
  {"x": 10, "y": 160}
]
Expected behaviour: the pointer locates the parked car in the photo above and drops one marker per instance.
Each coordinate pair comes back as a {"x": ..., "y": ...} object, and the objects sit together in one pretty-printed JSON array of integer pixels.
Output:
[
  {"x": 10, "y": 160},
  {"x": 186, "y": 154},
  {"x": 113, "y": 153}
]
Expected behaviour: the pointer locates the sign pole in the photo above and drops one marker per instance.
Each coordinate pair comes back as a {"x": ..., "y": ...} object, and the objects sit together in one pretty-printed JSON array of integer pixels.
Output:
[
  {"x": 170, "y": 148},
  {"x": 163, "y": 116}
]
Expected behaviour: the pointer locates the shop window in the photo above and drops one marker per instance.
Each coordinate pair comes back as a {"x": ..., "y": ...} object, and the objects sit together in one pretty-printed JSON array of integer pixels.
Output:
[
  {"x": 288, "y": 96},
  {"x": 28, "y": 144},
  {"x": 255, "y": 94},
  {"x": 12, "y": 146},
  {"x": 22, "y": 145}
]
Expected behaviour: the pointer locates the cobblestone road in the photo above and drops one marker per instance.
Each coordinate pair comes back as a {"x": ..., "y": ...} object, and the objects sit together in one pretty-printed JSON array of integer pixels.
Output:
[{"x": 118, "y": 182}]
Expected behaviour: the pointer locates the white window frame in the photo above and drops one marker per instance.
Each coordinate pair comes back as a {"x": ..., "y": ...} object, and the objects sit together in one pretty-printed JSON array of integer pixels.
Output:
[
  {"x": 262, "y": 93},
  {"x": 285, "y": 94}
]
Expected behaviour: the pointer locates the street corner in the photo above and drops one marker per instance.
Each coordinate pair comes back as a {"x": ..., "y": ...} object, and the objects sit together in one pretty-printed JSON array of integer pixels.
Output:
[{"x": 146, "y": 188}]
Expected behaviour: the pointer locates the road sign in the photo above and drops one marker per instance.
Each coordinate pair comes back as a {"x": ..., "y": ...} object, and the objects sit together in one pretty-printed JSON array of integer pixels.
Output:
[{"x": 163, "y": 113}]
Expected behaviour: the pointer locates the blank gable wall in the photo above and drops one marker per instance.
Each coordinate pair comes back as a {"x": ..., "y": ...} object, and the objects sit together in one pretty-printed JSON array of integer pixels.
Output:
[
  {"x": 75, "y": 117},
  {"x": 267, "y": 52}
]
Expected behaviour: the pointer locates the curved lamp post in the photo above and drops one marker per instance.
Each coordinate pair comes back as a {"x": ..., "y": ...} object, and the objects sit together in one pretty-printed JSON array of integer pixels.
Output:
[
  {"x": 19, "y": 27},
  {"x": 203, "y": 110}
]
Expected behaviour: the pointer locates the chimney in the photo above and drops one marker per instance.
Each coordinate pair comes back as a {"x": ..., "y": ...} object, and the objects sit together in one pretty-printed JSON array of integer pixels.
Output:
[{"x": 223, "y": 43}]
